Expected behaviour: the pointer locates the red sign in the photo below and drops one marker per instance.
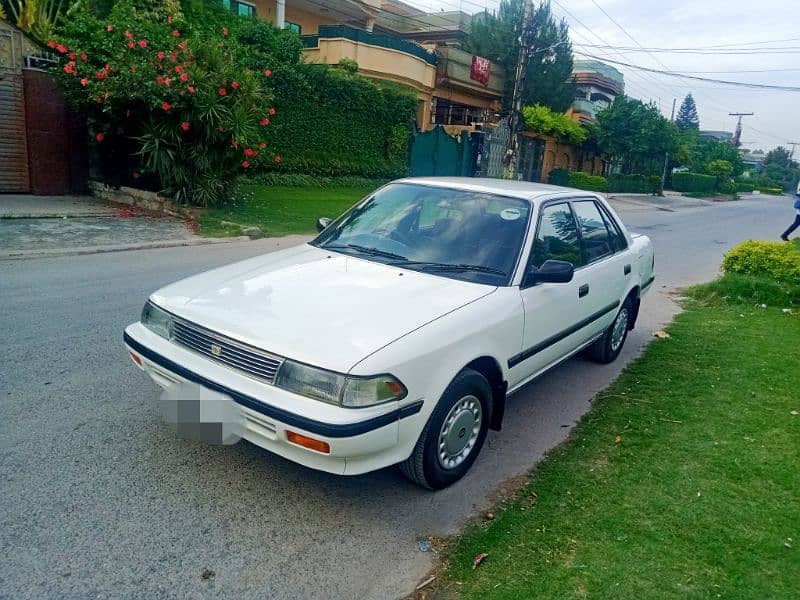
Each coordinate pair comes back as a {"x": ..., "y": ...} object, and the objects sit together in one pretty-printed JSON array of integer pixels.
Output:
[{"x": 481, "y": 69}]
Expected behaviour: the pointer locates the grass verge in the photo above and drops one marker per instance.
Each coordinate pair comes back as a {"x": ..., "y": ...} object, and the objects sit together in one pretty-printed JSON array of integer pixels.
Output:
[
  {"x": 279, "y": 211},
  {"x": 681, "y": 482}
]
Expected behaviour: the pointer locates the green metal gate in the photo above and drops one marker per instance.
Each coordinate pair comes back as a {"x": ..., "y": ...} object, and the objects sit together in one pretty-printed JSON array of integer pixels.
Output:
[{"x": 436, "y": 153}]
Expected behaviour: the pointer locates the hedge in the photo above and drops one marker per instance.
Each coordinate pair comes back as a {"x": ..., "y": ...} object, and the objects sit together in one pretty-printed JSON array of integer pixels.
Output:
[
  {"x": 771, "y": 191},
  {"x": 585, "y": 181},
  {"x": 747, "y": 188},
  {"x": 778, "y": 260},
  {"x": 634, "y": 184},
  {"x": 330, "y": 122},
  {"x": 313, "y": 181},
  {"x": 559, "y": 176},
  {"x": 694, "y": 182}
]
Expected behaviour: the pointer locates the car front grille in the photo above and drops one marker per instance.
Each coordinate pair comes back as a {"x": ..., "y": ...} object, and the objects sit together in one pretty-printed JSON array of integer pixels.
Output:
[{"x": 222, "y": 349}]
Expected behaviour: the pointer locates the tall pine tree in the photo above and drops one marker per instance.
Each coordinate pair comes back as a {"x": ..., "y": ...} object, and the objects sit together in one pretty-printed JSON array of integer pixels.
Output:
[{"x": 687, "y": 115}]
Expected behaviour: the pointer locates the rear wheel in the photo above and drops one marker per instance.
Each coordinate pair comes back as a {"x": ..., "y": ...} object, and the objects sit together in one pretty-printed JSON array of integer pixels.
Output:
[
  {"x": 607, "y": 348},
  {"x": 454, "y": 434}
]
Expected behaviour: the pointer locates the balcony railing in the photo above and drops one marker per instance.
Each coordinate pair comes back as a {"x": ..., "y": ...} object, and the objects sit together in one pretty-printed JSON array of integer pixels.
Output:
[{"x": 372, "y": 39}]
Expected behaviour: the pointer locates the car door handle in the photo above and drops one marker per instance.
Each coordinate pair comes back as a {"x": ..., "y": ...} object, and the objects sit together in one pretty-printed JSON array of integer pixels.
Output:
[
  {"x": 627, "y": 269},
  {"x": 583, "y": 290}
]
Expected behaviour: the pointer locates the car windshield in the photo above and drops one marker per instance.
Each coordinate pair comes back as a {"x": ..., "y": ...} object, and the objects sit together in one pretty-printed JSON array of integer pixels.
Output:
[{"x": 460, "y": 234}]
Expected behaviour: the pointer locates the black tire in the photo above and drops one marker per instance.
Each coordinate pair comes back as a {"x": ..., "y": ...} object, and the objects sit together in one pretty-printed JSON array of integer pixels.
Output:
[
  {"x": 604, "y": 350},
  {"x": 424, "y": 467}
]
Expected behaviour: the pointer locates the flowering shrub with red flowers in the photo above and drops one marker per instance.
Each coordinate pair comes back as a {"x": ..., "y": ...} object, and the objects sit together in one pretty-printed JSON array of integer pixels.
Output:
[{"x": 166, "y": 99}]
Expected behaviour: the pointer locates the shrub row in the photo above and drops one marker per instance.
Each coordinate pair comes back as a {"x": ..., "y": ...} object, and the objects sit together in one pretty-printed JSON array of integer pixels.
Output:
[
  {"x": 584, "y": 181},
  {"x": 742, "y": 186},
  {"x": 777, "y": 260},
  {"x": 771, "y": 191},
  {"x": 694, "y": 182},
  {"x": 634, "y": 184}
]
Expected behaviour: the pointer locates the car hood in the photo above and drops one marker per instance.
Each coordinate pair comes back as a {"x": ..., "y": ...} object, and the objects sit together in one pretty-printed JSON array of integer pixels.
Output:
[{"x": 316, "y": 306}]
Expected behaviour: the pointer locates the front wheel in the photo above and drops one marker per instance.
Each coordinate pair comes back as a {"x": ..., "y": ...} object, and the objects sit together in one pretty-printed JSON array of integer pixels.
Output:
[
  {"x": 454, "y": 434},
  {"x": 607, "y": 348}
]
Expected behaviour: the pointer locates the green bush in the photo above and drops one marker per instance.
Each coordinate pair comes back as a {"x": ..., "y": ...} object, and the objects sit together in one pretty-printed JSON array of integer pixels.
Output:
[
  {"x": 772, "y": 191},
  {"x": 742, "y": 186},
  {"x": 634, "y": 184},
  {"x": 585, "y": 181},
  {"x": 778, "y": 260},
  {"x": 540, "y": 119},
  {"x": 748, "y": 289},
  {"x": 559, "y": 176},
  {"x": 693, "y": 182}
]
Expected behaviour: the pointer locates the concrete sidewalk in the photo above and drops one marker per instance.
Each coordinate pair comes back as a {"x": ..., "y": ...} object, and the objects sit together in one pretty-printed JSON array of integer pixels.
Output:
[{"x": 26, "y": 206}]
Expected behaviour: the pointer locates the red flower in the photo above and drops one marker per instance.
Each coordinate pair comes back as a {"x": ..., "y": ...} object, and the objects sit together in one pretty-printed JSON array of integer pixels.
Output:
[
  {"x": 249, "y": 152},
  {"x": 169, "y": 19},
  {"x": 185, "y": 125},
  {"x": 134, "y": 69},
  {"x": 271, "y": 111},
  {"x": 72, "y": 56},
  {"x": 128, "y": 35},
  {"x": 182, "y": 46},
  {"x": 168, "y": 81},
  {"x": 262, "y": 145},
  {"x": 84, "y": 82},
  {"x": 264, "y": 121},
  {"x": 100, "y": 137},
  {"x": 277, "y": 159},
  {"x": 235, "y": 85},
  {"x": 61, "y": 48},
  {"x": 69, "y": 68},
  {"x": 83, "y": 56},
  {"x": 142, "y": 43},
  {"x": 51, "y": 44},
  {"x": 245, "y": 164},
  {"x": 109, "y": 27},
  {"x": 131, "y": 45},
  {"x": 136, "y": 175},
  {"x": 166, "y": 105},
  {"x": 176, "y": 33},
  {"x": 173, "y": 56},
  {"x": 222, "y": 91},
  {"x": 191, "y": 89},
  {"x": 225, "y": 31},
  {"x": 267, "y": 72},
  {"x": 160, "y": 55},
  {"x": 178, "y": 69},
  {"x": 159, "y": 80},
  {"x": 184, "y": 77}
]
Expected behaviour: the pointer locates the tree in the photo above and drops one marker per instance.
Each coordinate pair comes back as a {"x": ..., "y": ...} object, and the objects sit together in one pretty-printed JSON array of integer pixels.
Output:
[
  {"x": 635, "y": 135},
  {"x": 541, "y": 119},
  {"x": 706, "y": 151},
  {"x": 496, "y": 36},
  {"x": 779, "y": 168},
  {"x": 687, "y": 115}
]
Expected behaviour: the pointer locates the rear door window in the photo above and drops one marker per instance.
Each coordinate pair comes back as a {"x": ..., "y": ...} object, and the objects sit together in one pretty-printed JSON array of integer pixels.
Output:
[{"x": 596, "y": 239}]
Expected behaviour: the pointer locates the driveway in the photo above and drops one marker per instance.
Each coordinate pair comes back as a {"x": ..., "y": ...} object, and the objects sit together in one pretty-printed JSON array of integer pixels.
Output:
[{"x": 100, "y": 499}]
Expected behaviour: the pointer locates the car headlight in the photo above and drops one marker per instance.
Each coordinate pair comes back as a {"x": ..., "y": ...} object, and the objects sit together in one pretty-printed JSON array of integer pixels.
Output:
[
  {"x": 334, "y": 388},
  {"x": 157, "y": 320}
]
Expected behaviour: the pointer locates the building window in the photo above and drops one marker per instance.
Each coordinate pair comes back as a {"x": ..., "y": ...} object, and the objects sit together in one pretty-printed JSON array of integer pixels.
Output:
[
  {"x": 243, "y": 9},
  {"x": 454, "y": 113},
  {"x": 293, "y": 27}
]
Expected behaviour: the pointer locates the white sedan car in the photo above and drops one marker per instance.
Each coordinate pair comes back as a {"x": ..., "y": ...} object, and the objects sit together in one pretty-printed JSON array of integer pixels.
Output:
[{"x": 397, "y": 334}]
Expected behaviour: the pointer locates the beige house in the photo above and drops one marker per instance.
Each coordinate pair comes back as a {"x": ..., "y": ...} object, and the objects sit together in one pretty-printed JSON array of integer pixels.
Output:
[{"x": 394, "y": 41}]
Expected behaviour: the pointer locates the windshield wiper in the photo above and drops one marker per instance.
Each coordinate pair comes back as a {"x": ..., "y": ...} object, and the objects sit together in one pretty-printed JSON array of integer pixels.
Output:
[
  {"x": 367, "y": 250},
  {"x": 436, "y": 266}
]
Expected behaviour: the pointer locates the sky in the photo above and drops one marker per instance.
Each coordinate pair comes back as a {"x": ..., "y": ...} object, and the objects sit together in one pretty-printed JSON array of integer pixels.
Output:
[{"x": 692, "y": 24}]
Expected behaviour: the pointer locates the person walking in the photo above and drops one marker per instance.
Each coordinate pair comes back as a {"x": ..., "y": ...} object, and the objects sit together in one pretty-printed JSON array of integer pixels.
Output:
[{"x": 796, "y": 224}]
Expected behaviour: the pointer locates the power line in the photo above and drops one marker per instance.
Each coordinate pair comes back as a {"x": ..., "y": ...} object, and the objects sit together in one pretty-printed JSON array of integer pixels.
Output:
[{"x": 760, "y": 86}]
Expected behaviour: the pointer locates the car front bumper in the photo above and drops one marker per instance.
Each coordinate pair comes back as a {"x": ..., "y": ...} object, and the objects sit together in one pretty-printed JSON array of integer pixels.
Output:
[{"x": 360, "y": 440}]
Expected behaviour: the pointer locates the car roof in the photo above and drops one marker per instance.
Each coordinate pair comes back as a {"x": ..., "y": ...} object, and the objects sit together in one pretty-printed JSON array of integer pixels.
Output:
[{"x": 526, "y": 190}]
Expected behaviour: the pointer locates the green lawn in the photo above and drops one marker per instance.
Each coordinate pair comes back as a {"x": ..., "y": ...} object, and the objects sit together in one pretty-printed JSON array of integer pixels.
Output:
[
  {"x": 698, "y": 497},
  {"x": 280, "y": 210}
]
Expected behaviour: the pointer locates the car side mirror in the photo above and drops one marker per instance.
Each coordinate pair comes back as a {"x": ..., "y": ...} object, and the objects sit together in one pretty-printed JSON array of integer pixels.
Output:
[
  {"x": 552, "y": 271},
  {"x": 322, "y": 223}
]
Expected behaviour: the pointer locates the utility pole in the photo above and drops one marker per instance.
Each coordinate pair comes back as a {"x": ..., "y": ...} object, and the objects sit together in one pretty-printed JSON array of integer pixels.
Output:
[
  {"x": 512, "y": 151},
  {"x": 737, "y": 137},
  {"x": 792, "y": 144},
  {"x": 666, "y": 154}
]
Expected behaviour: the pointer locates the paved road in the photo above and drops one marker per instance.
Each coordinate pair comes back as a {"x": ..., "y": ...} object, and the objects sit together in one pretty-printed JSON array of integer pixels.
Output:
[{"x": 100, "y": 500}]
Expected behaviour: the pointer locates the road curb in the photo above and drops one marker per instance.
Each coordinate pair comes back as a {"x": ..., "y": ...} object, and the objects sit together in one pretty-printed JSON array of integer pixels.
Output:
[
  {"x": 80, "y": 250},
  {"x": 94, "y": 215}
]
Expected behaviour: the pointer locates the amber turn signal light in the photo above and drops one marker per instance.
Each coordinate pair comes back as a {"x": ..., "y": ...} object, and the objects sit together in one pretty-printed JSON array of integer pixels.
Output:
[{"x": 307, "y": 442}]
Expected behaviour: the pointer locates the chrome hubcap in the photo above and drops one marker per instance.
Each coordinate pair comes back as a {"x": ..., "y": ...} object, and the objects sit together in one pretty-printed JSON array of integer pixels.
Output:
[
  {"x": 620, "y": 327},
  {"x": 459, "y": 432}
]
